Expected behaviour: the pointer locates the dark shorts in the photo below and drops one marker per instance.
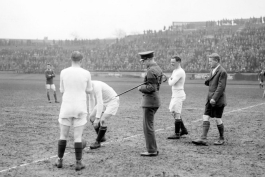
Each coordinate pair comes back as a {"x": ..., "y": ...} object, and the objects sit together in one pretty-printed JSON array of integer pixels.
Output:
[{"x": 213, "y": 111}]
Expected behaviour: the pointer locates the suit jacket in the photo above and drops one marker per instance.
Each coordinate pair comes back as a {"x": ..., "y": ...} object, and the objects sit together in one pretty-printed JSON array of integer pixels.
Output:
[
  {"x": 217, "y": 85},
  {"x": 150, "y": 90}
]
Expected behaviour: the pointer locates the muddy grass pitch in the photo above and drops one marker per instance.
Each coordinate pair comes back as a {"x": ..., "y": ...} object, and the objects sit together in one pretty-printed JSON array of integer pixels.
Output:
[{"x": 29, "y": 132}]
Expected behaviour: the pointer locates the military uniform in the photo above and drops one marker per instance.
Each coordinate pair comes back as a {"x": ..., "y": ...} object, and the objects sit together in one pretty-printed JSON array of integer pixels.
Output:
[{"x": 150, "y": 102}]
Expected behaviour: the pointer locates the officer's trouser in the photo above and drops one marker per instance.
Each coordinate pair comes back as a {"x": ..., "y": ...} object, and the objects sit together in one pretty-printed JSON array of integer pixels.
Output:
[{"x": 148, "y": 126}]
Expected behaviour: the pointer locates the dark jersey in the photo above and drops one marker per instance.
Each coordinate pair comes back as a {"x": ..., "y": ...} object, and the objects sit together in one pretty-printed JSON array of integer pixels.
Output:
[{"x": 49, "y": 74}]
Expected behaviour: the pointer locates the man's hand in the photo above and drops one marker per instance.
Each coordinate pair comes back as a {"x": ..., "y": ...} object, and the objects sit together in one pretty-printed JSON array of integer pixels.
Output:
[
  {"x": 212, "y": 102},
  {"x": 96, "y": 122},
  {"x": 139, "y": 88}
]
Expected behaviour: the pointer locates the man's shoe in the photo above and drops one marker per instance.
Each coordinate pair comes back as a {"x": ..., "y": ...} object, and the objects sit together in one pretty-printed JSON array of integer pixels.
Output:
[
  {"x": 184, "y": 132},
  {"x": 175, "y": 136},
  {"x": 59, "y": 163},
  {"x": 57, "y": 101},
  {"x": 200, "y": 141},
  {"x": 219, "y": 142},
  {"x": 79, "y": 166},
  {"x": 49, "y": 101},
  {"x": 148, "y": 154},
  {"x": 95, "y": 145}
]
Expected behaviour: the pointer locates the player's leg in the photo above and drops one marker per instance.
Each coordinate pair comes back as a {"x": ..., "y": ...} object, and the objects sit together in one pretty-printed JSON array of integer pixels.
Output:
[
  {"x": 175, "y": 109},
  {"x": 205, "y": 125},
  {"x": 220, "y": 126},
  {"x": 183, "y": 129},
  {"x": 205, "y": 129},
  {"x": 263, "y": 95},
  {"x": 79, "y": 144},
  {"x": 54, "y": 93},
  {"x": 110, "y": 110},
  {"x": 177, "y": 124},
  {"x": 48, "y": 87},
  {"x": 92, "y": 118},
  {"x": 101, "y": 131},
  {"x": 64, "y": 131}
]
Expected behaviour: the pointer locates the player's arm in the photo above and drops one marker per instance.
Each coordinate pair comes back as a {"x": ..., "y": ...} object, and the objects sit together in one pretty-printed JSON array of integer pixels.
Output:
[
  {"x": 61, "y": 83},
  {"x": 99, "y": 99},
  {"x": 92, "y": 102},
  {"x": 47, "y": 75},
  {"x": 89, "y": 84},
  {"x": 53, "y": 75},
  {"x": 174, "y": 78}
]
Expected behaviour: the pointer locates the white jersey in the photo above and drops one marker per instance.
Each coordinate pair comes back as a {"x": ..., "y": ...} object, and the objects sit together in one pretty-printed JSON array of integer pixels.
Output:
[
  {"x": 102, "y": 93},
  {"x": 75, "y": 82},
  {"x": 177, "y": 81}
]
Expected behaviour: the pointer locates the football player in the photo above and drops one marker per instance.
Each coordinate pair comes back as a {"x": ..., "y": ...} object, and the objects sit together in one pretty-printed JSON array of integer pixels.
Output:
[
  {"x": 49, "y": 74},
  {"x": 103, "y": 104}
]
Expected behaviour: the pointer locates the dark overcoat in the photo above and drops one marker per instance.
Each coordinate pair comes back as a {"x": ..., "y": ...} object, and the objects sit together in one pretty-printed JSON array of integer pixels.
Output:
[{"x": 217, "y": 85}]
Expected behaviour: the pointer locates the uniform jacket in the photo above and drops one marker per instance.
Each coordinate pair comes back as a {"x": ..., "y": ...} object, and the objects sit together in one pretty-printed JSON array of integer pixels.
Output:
[
  {"x": 150, "y": 90},
  {"x": 217, "y": 85}
]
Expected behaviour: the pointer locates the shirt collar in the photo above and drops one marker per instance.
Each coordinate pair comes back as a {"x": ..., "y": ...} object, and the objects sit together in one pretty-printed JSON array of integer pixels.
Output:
[{"x": 216, "y": 67}]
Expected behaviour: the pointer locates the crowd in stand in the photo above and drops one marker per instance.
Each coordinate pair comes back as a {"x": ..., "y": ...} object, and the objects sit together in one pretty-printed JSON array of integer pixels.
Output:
[{"x": 242, "y": 48}]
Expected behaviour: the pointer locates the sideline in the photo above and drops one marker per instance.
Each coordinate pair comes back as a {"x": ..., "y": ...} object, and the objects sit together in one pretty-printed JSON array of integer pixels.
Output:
[
  {"x": 123, "y": 139},
  {"x": 236, "y": 110}
]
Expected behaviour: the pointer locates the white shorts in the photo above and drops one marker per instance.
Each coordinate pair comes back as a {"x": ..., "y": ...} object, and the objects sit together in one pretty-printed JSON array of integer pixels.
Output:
[
  {"x": 73, "y": 121},
  {"x": 110, "y": 107},
  {"x": 50, "y": 86},
  {"x": 177, "y": 102}
]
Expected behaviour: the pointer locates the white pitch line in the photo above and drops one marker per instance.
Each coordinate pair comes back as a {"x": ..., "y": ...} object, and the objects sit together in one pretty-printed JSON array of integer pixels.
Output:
[
  {"x": 236, "y": 110},
  {"x": 192, "y": 108},
  {"x": 22, "y": 165}
]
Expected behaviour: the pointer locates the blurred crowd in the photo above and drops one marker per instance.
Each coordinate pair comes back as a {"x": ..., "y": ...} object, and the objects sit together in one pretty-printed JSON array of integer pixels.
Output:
[{"x": 241, "y": 45}]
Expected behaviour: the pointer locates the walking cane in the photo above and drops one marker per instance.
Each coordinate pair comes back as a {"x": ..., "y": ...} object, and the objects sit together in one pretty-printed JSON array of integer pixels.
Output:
[{"x": 130, "y": 89}]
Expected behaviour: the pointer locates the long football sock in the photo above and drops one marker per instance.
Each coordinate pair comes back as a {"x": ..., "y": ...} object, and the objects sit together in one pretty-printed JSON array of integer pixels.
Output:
[
  {"x": 61, "y": 148},
  {"x": 221, "y": 130},
  {"x": 101, "y": 133},
  {"x": 177, "y": 125},
  {"x": 55, "y": 97},
  {"x": 205, "y": 129},
  {"x": 48, "y": 96},
  {"x": 182, "y": 126},
  {"x": 78, "y": 150}
]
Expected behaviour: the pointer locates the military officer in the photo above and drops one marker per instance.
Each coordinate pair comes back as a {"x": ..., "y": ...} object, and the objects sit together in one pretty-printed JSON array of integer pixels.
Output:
[{"x": 150, "y": 100}]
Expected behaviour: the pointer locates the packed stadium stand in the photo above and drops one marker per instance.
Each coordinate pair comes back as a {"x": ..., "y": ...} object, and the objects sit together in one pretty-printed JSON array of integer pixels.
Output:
[{"x": 240, "y": 43}]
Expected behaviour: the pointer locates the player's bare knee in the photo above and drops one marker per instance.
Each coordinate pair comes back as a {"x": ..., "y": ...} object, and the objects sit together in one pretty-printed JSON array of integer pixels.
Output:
[
  {"x": 218, "y": 121},
  {"x": 205, "y": 118}
]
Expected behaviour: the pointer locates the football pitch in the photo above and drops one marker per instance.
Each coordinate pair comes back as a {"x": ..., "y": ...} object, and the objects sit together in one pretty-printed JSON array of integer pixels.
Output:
[{"x": 29, "y": 133}]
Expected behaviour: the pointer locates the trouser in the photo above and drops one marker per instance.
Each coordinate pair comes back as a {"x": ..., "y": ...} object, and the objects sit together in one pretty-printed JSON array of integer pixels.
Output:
[{"x": 148, "y": 126}]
